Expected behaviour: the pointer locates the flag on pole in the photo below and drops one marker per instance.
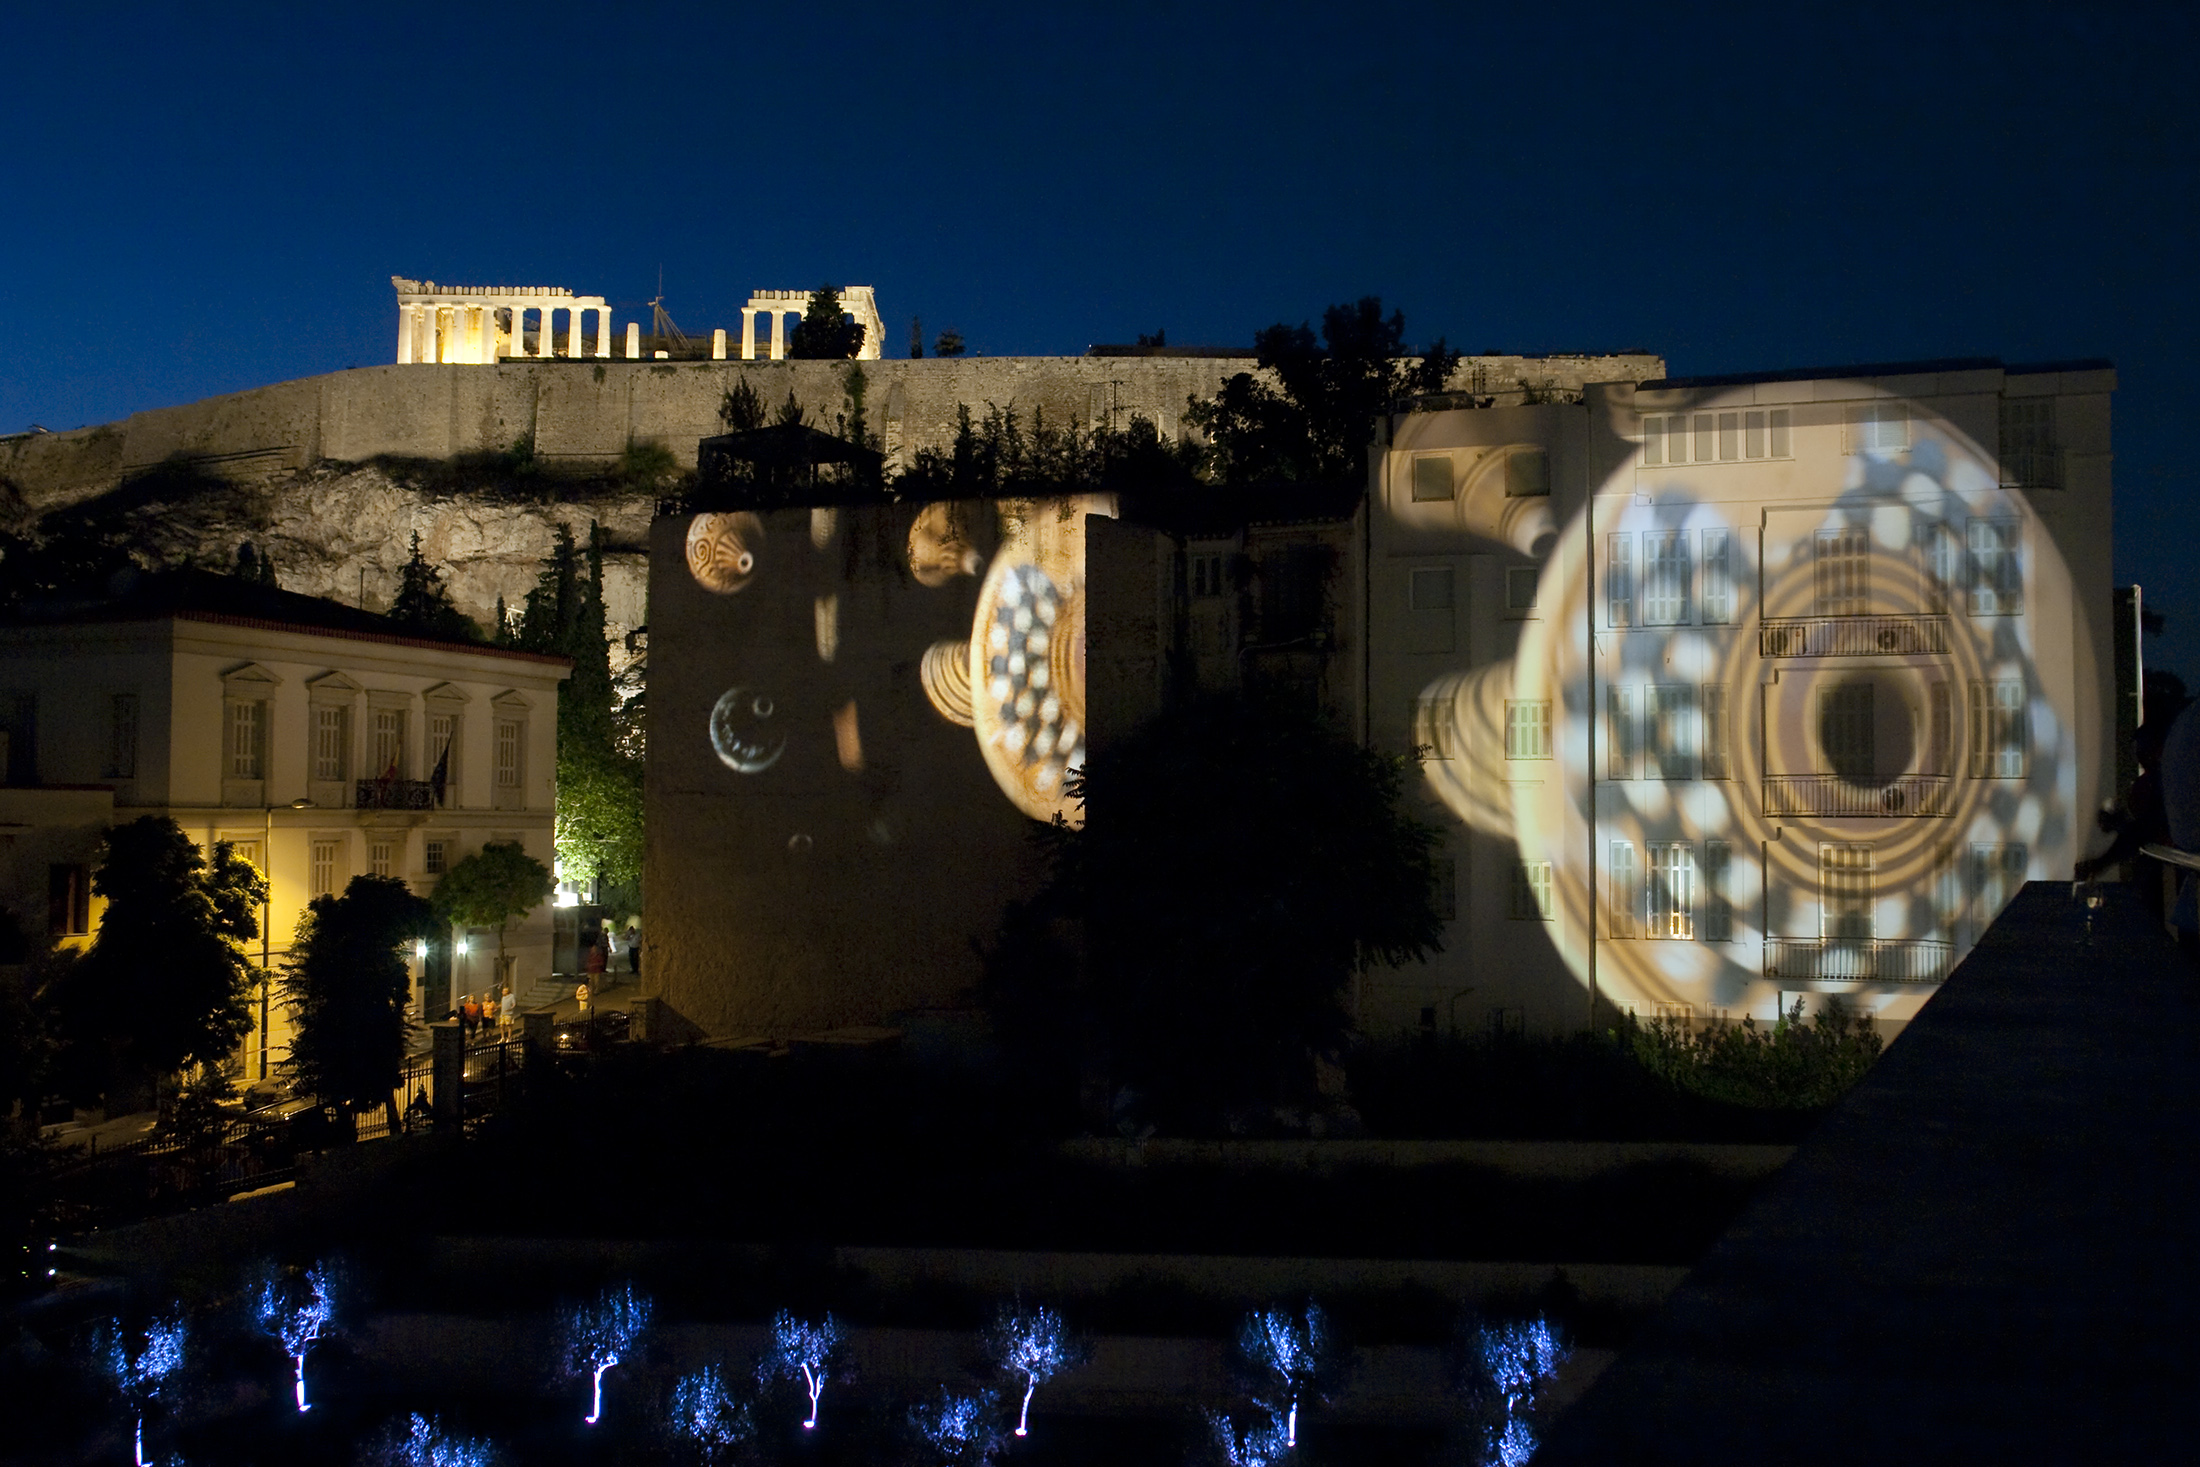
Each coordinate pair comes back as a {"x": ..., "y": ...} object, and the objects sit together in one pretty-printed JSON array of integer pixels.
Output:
[{"x": 442, "y": 775}]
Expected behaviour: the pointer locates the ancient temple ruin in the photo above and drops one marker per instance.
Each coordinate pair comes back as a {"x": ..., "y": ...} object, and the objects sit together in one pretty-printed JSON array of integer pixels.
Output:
[{"x": 480, "y": 323}]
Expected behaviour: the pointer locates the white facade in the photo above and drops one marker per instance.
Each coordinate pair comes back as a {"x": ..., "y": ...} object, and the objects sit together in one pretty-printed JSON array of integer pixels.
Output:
[
  {"x": 1778, "y": 687},
  {"x": 313, "y": 751}
]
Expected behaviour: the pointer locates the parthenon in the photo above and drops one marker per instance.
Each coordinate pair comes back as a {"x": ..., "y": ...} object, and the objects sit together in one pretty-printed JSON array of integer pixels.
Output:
[{"x": 480, "y": 323}]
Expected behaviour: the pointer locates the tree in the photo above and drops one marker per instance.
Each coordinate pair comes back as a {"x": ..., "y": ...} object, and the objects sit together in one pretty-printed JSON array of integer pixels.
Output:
[
  {"x": 825, "y": 333},
  {"x": 346, "y": 985},
  {"x": 1238, "y": 864},
  {"x": 1315, "y": 422},
  {"x": 423, "y": 603},
  {"x": 491, "y": 887},
  {"x": 602, "y": 1335},
  {"x": 948, "y": 343},
  {"x": 805, "y": 1351},
  {"x": 1033, "y": 1345},
  {"x": 742, "y": 408},
  {"x": 164, "y": 985}
]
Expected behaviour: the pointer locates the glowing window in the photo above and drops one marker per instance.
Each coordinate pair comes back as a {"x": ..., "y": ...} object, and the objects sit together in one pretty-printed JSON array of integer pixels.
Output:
[
  {"x": 1619, "y": 740},
  {"x": 1718, "y": 577},
  {"x": 331, "y": 742},
  {"x": 1844, "y": 571},
  {"x": 1432, "y": 477},
  {"x": 1998, "y": 733},
  {"x": 1619, "y": 889},
  {"x": 1527, "y": 728},
  {"x": 1672, "y": 893},
  {"x": 68, "y": 900},
  {"x": 389, "y": 743},
  {"x": 1717, "y": 759},
  {"x": 1718, "y": 437},
  {"x": 1997, "y": 578},
  {"x": 1429, "y": 588},
  {"x": 247, "y": 739},
  {"x": 1531, "y": 892},
  {"x": 327, "y": 854},
  {"x": 508, "y": 753},
  {"x": 1520, "y": 587},
  {"x": 1665, "y": 578},
  {"x": 1718, "y": 900},
  {"x": 1619, "y": 581},
  {"x": 1845, "y": 892},
  {"x": 1878, "y": 427},
  {"x": 2030, "y": 455},
  {"x": 1669, "y": 732}
]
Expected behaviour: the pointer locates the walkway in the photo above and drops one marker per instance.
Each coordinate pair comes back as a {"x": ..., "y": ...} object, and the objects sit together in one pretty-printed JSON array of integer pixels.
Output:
[{"x": 1989, "y": 1252}]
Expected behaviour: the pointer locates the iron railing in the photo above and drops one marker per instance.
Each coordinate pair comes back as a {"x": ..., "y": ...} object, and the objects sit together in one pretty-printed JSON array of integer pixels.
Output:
[
  {"x": 1861, "y": 959},
  {"x": 394, "y": 794},
  {"x": 1904, "y": 796},
  {"x": 1852, "y": 636}
]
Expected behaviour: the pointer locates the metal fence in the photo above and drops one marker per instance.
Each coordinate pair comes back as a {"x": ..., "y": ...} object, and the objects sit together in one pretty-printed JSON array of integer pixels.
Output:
[
  {"x": 1862, "y": 959},
  {"x": 1852, "y": 636},
  {"x": 1904, "y": 796}
]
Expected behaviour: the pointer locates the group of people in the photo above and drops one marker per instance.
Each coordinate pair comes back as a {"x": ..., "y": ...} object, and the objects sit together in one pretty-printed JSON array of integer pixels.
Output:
[{"x": 475, "y": 1012}]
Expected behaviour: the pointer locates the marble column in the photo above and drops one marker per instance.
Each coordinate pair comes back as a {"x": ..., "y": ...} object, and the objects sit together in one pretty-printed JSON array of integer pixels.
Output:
[
  {"x": 546, "y": 338},
  {"x": 748, "y": 334},
  {"x": 718, "y": 344},
  {"x": 633, "y": 341},
  {"x": 573, "y": 333},
  {"x": 603, "y": 331},
  {"x": 779, "y": 335}
]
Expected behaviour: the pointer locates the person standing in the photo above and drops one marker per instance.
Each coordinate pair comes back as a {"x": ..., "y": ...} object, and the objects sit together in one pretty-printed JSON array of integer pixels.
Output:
[{"x": 507, "y": 1013}]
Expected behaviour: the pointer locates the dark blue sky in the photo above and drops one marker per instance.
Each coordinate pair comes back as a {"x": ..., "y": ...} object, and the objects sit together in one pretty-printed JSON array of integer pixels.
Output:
[{"x": 200, "y": 202}]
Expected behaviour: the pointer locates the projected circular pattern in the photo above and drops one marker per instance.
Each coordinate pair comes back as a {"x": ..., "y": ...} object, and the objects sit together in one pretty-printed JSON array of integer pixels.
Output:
[
  {"x": 1028, "y": 676},
  {"x": 743, "y": 731},
  {"x": 722, "y": 550}
]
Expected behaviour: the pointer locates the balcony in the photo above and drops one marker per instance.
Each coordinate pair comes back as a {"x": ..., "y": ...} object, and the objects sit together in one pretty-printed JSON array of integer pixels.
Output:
[
  {"x": 1903, "y": 796},
  {"x": 1857, "y": 959},
  {"x": 393, "y": 794},
  {"x": 1852, "y": 636}
]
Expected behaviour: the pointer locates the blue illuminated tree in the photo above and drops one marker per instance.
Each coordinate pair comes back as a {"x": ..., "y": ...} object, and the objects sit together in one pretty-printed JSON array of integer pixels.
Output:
[
  {"x": 424, "y": 1443},
  {"x": 601, "y": 1335},
  {"x": 802, "y": 1350},
  {"x": 707, "y": 1414},
  {"x": 1034, "y": 1346},
  {"x": 962, "y": 1431},
  {"x": 139, "y": 1370},
  {"x": 1507, "y": 1367},
  {"x": 1260, "y": 1444},
  {"x": 297, "y": 1317},
  {"x": 1290, "y": 1357}
]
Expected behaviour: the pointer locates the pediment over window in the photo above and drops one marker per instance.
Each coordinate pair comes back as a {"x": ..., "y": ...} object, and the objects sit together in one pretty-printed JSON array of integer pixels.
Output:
[
  {"x": 249, "y": 681},
  {"x": 447, "y": 694},
  {"x": 512, "y": 701},
  {"x": 331, "y": 687}
]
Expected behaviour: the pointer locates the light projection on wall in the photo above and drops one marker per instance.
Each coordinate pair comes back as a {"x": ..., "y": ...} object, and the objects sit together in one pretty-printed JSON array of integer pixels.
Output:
[
  {"x": 743, "y": 730},
  {"x": 939, "y": 545},
  {"x": 722, "y": 550},
  {"x": 1829, "y": 729},
  {"x": 945, "y": 673}
]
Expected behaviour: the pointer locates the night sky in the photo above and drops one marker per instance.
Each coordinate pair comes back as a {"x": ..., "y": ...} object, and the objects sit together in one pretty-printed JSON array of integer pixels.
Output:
[{"x": 203, "y": 199}]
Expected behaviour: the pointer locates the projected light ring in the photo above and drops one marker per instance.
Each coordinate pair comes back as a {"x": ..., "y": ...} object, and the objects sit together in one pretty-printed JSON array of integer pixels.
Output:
[{"x": 1942, "y": 479}]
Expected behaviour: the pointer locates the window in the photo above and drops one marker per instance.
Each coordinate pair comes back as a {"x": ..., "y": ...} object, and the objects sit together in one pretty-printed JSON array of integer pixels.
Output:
[
  {"x": 443, "y": 751},
  {"x": 1718, "y": 760},
  {"x": 1672, "y": 891},
  {"x": 1446, "y": 894},
  {"x": 327, "y": 864},
  {"x": 246, "y": 748},
  {"x": 1669, "y": 732},
  {"x": 1939, "y": 563},
  {"x": 435, "y": 855},
  {"x": 1429, "y": 588},
  {"x": 1619, "y": 889},
  {"x": 382, "y": 857},
  {"x": 1665, "y": 578},
  {"x": 389, "y": 744},
  {"x": 1619, "y": 718},
  {"x": 1527, "y": 474},
  {"x": 1718, "y": 897},
  {"x": 1939, "y": 728},
  {"x": 1531, "y": 892},
  {"x": 1845, "y": 727},
  {"x": 1758, "y": 433},
  {"x": 1997, "y": 580},
  {"x": 1432, "y": 477},
  {"x": 1619, "y": 581},
  {"x": 1845, "y": 892},
  {"x": 1206, "y": 572},
  {"x": 1520, "y": 588},
  {"x": 1997, "y": 873},
  {"x": 68, "y": 900},
  {"x": 331, "y": 743},
  {"x": 122, "y": 736},
  {"x": 1527, "y": 729},
  {"x": 2030, "y": 456},
  {"x": 1998, "y": 733},
  {"x": 1718, "y": 577},
  {"x": 1844, "y": 571},
  {"x": 247, "y": 850},
  {"x": 508, "y": 753},
  {"x": 1878, "y": 427}
]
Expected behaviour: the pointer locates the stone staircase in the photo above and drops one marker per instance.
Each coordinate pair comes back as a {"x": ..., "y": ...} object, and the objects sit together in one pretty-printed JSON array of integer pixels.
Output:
[{"x": 546, "y": 992}]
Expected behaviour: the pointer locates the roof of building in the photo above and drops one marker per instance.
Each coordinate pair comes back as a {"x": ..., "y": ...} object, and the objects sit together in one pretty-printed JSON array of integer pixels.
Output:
[
  {"x": 205, "y": 596},
  {"x": 1864, "y": 370}
]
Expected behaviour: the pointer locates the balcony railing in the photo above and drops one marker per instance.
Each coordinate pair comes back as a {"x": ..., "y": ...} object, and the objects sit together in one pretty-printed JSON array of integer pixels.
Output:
[
  {"x": 1903, "y": 796},
  {"x": 394, "y": 794},
  {"x": 1852, "y": 636},
  {"x": 1859, "y": 959}
]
